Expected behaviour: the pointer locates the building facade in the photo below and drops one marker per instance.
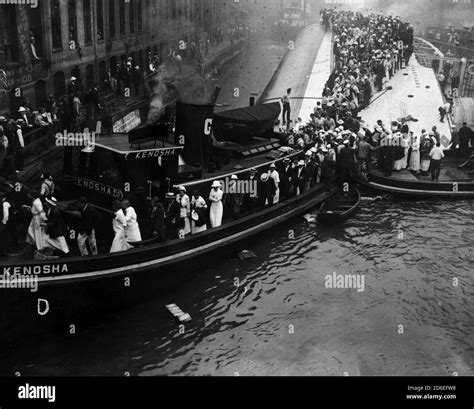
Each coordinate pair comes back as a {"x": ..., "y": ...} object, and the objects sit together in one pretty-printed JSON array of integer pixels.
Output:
[{"x": 42, "y": 47}]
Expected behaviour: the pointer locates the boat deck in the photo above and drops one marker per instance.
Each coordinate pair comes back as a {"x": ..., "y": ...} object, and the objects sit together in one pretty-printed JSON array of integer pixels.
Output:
[
  {"x": 416, "y": 92},
  {"x": 318, "y": 78},
  {"x": 449, "y": 173}
]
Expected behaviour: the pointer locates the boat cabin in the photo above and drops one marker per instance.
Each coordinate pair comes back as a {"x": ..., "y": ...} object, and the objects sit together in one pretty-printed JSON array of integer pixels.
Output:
[
  {"x": 151, "y": 161},
  {"x": 112, "y": 166}
]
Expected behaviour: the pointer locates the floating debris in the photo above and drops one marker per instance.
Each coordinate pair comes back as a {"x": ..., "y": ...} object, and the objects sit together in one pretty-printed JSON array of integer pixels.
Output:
[
  {"x": 310, "y": 218},
  {"x": 245, "y": 254},
  {"x": 377, "y": 198},
  {"x": 178, "y": 313}
]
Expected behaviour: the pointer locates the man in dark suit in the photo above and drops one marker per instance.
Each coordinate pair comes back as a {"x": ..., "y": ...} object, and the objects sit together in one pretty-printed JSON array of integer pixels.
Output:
[
  {"x": 346, "y": 162},
  {"x": 286, "y": 179},
  {"x": 266, "y": 190},
  {"x": 301, "y": 178},
  {"x": 157, "y": 219},
  {"x": 251, "y": 199},
  {"x": 172, "y": 216},
  {"x": 465, "y": 134},
  {"x": 90, "y": 219}
]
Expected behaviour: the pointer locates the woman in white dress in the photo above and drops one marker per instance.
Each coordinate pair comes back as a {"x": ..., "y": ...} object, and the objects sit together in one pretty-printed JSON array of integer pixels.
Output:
[
  {"x": 415, "y": 154},
  {"x": 406, "y": 147},
  {"x": 184, "y": 209},
  {"x": 199, "y": 209},
  {"x": 217, "y": 209},
  {"x": 399, "y": 141},
  {"x": 119, "y": 224},
  {"x": 132, "y": 230},
  {"x": 35, "y": 235}
]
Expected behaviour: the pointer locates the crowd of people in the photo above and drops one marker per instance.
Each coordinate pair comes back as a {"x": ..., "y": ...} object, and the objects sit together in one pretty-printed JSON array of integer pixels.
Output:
[
  {"x": 368, "y": 51},
  {"x": 55, "y": 115},
  {"x": 336, "y": 144}
]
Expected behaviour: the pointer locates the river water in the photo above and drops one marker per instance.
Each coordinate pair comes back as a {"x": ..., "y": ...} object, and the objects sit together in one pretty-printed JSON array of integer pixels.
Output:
[{"x": 274, "y": 315}]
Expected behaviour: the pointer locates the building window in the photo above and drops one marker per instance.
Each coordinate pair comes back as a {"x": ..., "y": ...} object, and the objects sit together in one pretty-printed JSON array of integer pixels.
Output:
[
  {"x": 56, "y": 25},
  {"x": 102, "y": 75},
  {"x": 89, "y": 75},
  {"x": 111, "y": 18},
  {"x": 59, "y": 84},
  {"x": 8, "y": 35},
  {"x": 40, "y": 94},
  {"x": 113, "y": 66},
  {"x": 132, "y": 17},
  {"x": 36, "y": 39},
  {"x": 122, "y": 17},
  {"x": 100, "y": 20},
  {"x": 86, "y": 5},
  {"x": 72, "y": 21},
  {"x": 139, "y": 17}
]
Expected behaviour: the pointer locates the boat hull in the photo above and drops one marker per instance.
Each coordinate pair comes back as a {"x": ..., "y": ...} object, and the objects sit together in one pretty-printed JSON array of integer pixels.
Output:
[
  {"x": 92, "y": 287},
  {"x": 331, "y": 212},
  {"x": 420, "y": 189}
]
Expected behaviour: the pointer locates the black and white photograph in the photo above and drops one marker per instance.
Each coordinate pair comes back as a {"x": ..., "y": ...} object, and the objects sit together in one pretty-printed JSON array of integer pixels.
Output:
[{"x": 237, "y": 189}]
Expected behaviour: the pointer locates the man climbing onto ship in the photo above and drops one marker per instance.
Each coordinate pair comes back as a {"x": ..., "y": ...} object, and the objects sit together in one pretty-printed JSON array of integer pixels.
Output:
[{"x": 286, "y": 108}]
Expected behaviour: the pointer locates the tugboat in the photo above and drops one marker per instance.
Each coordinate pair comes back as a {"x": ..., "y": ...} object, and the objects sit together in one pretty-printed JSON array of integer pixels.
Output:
[{"x": 147, "y": 163}]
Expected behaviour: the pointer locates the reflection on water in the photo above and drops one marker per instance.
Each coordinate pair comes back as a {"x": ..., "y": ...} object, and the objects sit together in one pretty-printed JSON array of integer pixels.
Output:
[{"x": 273, "y": 315}]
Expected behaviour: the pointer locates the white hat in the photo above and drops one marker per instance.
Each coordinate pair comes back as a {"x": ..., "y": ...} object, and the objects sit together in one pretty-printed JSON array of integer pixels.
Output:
[
  {"x": 301, "y": 163},
  {"x": 234, "y": 177},
  {"x": 346, "y": 142},
  {"x": 22, "y": 109},
  {"x": 314, "y": 150},
  {"x": 273, "y": 165},
  {"x": 181, "y": 189},
  {"x": 308, "y": 153},
  {"x": 52, "y": 201},
  {"x": 73, "y": 78},
  {"x": 324, "y": 150},
  {"x": 216, "y": 184}
]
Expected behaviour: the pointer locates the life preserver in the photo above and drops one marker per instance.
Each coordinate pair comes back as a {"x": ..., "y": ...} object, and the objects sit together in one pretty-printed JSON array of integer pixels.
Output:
[{"x": 470, "y": 69}]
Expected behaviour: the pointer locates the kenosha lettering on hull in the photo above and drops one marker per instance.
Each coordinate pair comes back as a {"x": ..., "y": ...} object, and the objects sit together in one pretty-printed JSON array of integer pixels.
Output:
[{"x": 37, "y": 270}]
